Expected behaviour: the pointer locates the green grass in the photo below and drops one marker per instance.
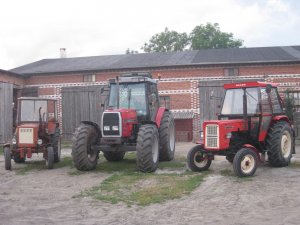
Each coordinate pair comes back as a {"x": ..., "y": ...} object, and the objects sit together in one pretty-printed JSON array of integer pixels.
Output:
[
  {"x": 66, "y": 144},
  {"x": 1, "y": 150},
  {"x": 40, "y": 165},
  {"x": 143, "y": 189},
  {"x": 295, "y": 164}
]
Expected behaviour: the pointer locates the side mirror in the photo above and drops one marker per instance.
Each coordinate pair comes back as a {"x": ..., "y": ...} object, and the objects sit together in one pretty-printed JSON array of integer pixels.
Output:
[{"x": 268, "y": 88}]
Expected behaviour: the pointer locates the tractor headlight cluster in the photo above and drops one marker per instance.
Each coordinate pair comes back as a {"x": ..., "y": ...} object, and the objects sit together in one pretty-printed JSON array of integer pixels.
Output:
[
  {"x": 40, "y": 141},
  {"x": 115, "y": 128},
  {"x": 228, "y": 135}
]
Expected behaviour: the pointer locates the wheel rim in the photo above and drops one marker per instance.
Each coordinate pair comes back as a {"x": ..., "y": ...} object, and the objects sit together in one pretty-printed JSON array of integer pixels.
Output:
[
  {"x": 248, "y": 164},
  {"x": 91, "y": 154},
  {"x": 172, "y": 137},
  {"x": 155, "y": 149},
  {"x": 200, "y": 159},
  {"x": 286, "y": 144}
]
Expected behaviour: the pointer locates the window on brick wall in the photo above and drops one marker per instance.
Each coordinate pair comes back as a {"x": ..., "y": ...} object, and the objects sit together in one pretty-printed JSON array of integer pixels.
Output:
[
  {"x": 295, "y": 96},
  {"x": 89, "y": 78},
  {"x": 231, "y": 72},
  {"x": 165, "y": 101}
]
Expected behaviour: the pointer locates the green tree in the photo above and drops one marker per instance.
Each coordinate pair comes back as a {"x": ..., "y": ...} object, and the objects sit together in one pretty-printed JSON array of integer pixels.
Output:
[
  {"x": 166, "y": 41},
  {"x": 130, "y": 51},
  {"x": 209, "y": 36},
  {"x": 289, "y": 105}
]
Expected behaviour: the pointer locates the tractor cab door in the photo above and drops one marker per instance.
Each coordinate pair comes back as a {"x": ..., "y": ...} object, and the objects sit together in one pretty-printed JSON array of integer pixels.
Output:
[
  {"x": 266, "y": 114},
  {"x": 153, "y": 101}
]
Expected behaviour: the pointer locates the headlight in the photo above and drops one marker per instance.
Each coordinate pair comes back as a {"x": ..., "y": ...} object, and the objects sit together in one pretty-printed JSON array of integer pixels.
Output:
[
  {"x": 106, "y": 128},
  {"x": 14, "y": 141},
  {"x": 228, "y": 135},
  {"x": 201, "y": 134},
  {"x": 115, "y": 128},
  {"x": 40, "y": 141}
]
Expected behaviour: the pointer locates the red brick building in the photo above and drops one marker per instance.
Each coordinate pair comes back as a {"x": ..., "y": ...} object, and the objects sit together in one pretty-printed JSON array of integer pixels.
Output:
[{"x": 188, "y": 79}]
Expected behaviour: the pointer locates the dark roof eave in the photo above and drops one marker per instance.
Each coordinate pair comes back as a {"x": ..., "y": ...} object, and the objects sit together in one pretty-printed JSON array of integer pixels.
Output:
[
  {"x": 167, "y": 66},
  {"x": 12, "y": 73}
]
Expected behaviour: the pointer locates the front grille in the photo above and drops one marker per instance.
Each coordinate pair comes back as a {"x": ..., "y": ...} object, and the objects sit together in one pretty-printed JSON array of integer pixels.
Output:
[
  {"x": 111, "y": 124},
  {"x": 25, "y": 135},
  {"x": 212, "y": 136}
]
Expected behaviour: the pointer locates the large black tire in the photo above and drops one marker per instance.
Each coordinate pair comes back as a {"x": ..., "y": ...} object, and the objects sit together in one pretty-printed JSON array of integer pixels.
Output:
[
  {"x": 84, "y": 157},
  {"x": 17, "y": 158},
  {"x": 279, "y": 143},
  {"x": 147, "y": 148},
  {"x": 167, "y": 137},
  {"x": 114, "y": 156},
  {"x": 198, "y": 160},
  {"x": 57, "y": 146},
  {"x": 7, "y": 158},
  {"x": 50, "y": 157},
  {"x": 245, "y": 162}
]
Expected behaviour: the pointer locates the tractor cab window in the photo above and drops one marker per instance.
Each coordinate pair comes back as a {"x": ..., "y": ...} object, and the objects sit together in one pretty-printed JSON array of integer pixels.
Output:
[
  {"x": 131, "y": 96},
  {"x": 33, "y": 111},
  {"x": 252, "y": 100},
  {"x": 275, "y": 101},
  {"x": 265, "y": 105},
  {"x": 233, "y": 102}
]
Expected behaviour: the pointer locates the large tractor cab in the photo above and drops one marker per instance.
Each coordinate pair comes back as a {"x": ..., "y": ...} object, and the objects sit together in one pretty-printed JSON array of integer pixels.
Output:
[
  {"x": 132, "y": 121},
  {"x": 252, "y": 126},
  {"x": 37, "y": 131}
]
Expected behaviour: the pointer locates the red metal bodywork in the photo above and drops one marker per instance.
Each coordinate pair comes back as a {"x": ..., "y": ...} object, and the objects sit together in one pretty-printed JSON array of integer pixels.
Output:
[
  {"x": 159, "y": 115},
  {"x": 225, "y": 127},
  {"x": 248, "y": 84}
]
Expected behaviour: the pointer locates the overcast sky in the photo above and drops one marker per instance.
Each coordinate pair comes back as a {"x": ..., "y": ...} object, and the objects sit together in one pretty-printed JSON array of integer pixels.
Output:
[{"x": 31, "y": 30}]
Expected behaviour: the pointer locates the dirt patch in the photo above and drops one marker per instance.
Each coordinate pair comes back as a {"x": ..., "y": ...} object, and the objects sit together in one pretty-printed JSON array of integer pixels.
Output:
[{"x": 272, "y": 196}]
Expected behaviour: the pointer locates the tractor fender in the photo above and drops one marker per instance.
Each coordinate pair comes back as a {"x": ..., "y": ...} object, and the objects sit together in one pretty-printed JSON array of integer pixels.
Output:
[
  {"x": 95, "y": 125},
  {"x": 159, "y": 115},
  {"x": 278, "y": 118},
  {"x": 6, "y": 145},
  {"x": 254, "y": 150}
]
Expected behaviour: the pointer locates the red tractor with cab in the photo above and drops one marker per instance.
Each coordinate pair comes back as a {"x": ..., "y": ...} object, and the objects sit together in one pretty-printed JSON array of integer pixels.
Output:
[
  {"x": 133, "y": 121},
  {"x": 251, "y": 128},
  {"x": 37, "y": 131}
]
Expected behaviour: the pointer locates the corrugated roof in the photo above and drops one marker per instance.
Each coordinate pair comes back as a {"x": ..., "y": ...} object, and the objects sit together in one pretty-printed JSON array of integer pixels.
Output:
[{"x": 166, "y": 59}]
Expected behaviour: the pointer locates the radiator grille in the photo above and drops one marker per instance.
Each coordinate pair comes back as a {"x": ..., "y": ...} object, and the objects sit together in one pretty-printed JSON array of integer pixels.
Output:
[
  {"x": 111, "y": 124},
  {"x": 212, "y": 136},
  {"x": 26, "y": 135}
]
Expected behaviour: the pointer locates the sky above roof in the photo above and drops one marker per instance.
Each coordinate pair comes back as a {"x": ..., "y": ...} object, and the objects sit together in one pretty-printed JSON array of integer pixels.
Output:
[{"x": 32, "y": 30}]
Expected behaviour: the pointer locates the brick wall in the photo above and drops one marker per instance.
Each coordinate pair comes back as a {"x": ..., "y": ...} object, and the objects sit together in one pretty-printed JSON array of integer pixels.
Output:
[
  {"x": 8, "y": 77},
  {"x": 181, "y": 84}
]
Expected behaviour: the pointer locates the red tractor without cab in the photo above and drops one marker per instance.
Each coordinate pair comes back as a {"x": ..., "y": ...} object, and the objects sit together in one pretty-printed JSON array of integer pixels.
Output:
[
  {"x": 37, "y": 131},
  {"x": 252, "y": 126},
  {"x": 133, "y": 121}
]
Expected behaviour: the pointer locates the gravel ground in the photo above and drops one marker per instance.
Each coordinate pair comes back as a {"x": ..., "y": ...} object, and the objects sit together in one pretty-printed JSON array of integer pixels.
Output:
[{"x": 272, "y": 196}]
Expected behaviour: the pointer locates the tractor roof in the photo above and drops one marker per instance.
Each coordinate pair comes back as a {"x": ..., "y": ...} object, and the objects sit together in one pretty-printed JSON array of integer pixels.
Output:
[
  {"x": 134, "y": 78},
  {"x": 248, "y": 84}
]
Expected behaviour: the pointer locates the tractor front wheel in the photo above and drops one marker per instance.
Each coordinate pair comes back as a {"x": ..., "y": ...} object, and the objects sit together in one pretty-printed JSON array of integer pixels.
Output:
[
  {"x": 245, "y": 162},
  {"x": 113, "y": 156},
  {"x": 50, "y": 158},
  {"x": 279, "y": 144},
  {"x": 167, "y": 137},
  {"x": 147, "y": 148},
  {"x": 198, "y": 160},
  {"x": 84, "y": 157},
  {"x": 7, "y": 156}
]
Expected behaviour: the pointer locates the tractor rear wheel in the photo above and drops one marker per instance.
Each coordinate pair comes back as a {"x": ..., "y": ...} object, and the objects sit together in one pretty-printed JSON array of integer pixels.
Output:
[
  {"x": 167, "y": 137},
  {"x": 84, "y": 157},
  {"x": 197, "y": 159},
  {"x": 114, "y": 156},
  {"x": 279, "y": 144},
  {"x": 18, "y": 159},
  {"x": 245, "y": 162},
  {"x": 147, "y": 148},
  {"x": 7, "y": 157},
  {"x": 50, "y": 158},
  {"x": 57, "y": 146}
]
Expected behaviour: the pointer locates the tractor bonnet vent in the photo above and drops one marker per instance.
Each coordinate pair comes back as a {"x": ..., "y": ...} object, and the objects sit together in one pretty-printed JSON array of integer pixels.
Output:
[{"x": 137, "y": 74}]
